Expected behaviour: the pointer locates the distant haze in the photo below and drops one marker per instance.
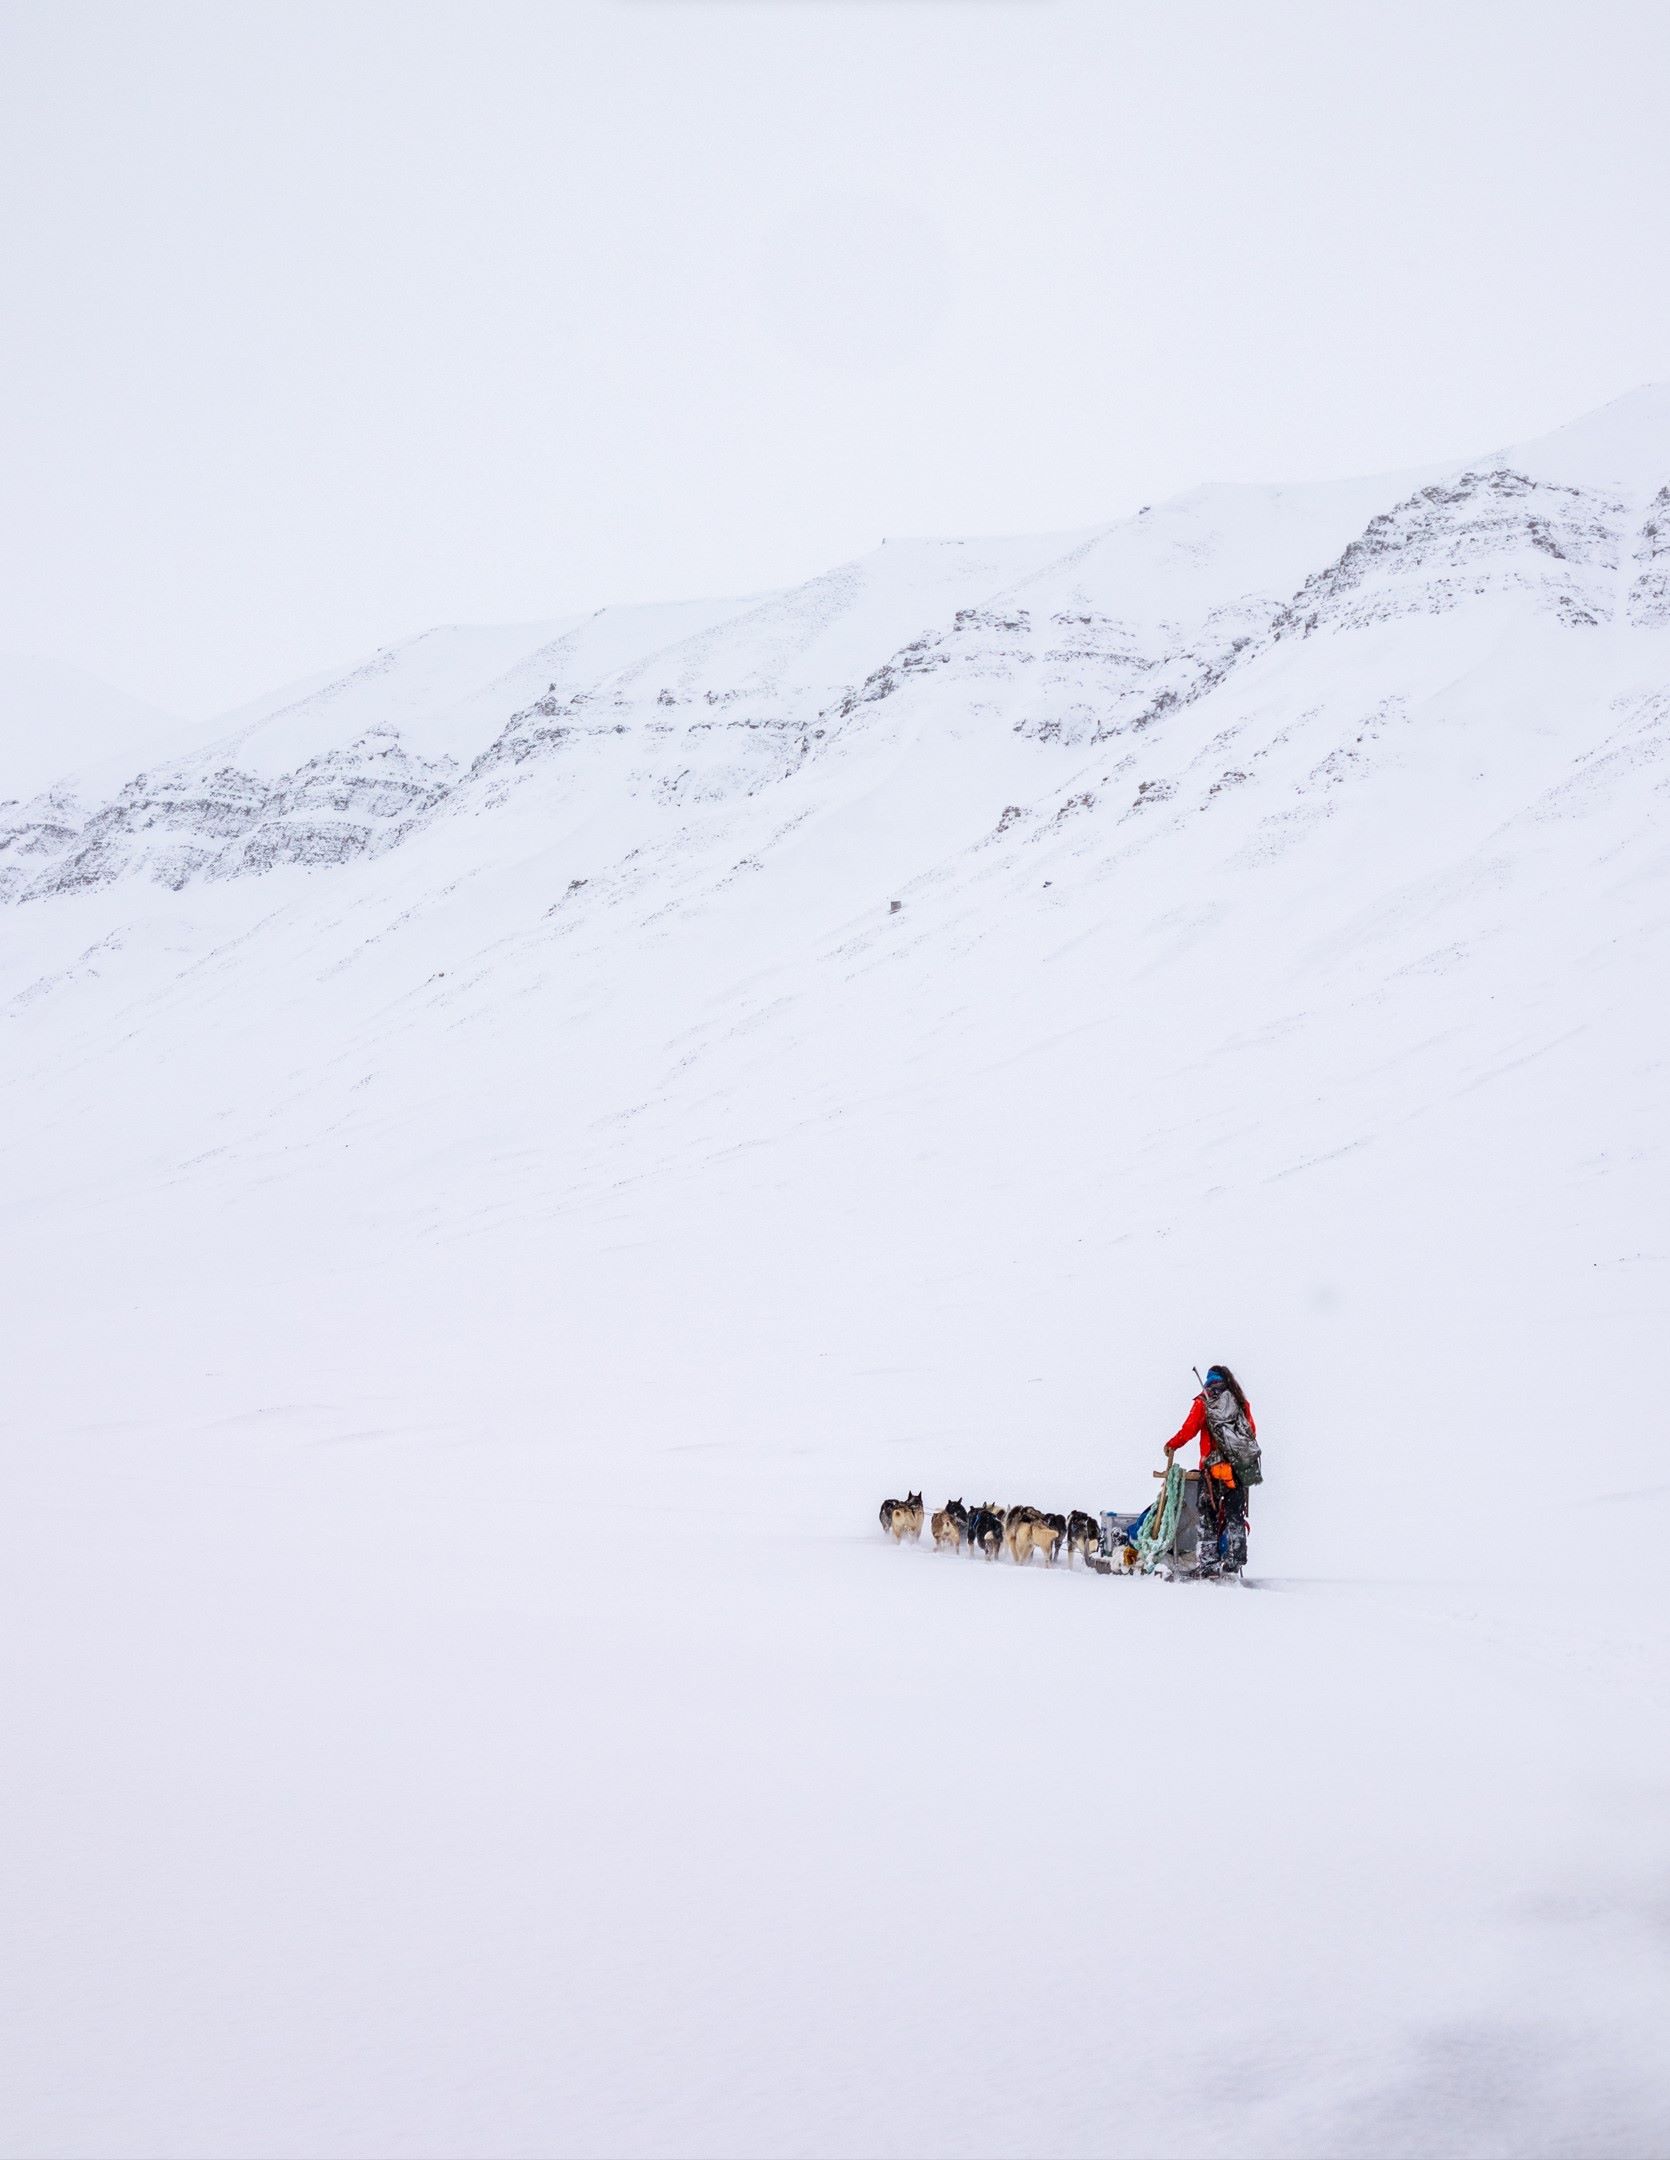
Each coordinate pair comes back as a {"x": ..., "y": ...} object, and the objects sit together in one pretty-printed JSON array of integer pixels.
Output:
[{"x": 324, "y": 324}]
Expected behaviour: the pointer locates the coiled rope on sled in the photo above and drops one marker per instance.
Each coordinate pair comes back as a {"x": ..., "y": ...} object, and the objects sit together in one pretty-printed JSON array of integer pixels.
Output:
[{"x": 1158, "y": 1528}]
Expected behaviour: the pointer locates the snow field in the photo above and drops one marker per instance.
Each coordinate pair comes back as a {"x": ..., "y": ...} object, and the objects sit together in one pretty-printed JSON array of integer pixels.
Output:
[
  {"x": 469, "y": 1298},
  {"x": 434, "y": 1787}
]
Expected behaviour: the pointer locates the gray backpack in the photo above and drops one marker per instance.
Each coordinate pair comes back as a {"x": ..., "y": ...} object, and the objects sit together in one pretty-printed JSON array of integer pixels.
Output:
[{"x": 1233, "y": 1439}]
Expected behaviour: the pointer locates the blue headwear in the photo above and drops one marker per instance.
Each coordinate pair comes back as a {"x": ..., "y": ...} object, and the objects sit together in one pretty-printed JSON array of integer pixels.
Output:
[{"x": 1215, "y": 1373}]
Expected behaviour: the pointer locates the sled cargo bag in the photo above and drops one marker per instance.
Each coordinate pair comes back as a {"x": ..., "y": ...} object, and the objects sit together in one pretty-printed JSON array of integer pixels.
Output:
[{"x": 1121, "y": 1530}]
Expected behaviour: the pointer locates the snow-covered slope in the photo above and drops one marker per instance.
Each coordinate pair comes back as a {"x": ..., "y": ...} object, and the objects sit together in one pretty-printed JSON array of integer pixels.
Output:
[{"x": 514, "y": 1149}]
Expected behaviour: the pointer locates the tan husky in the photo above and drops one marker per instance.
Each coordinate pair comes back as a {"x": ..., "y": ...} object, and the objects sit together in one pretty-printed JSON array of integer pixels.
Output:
[
  {"x": 1014, "y": 1520},
  {"x": 950, "y": 1526},
  {"x": 902, "y": 1518},
  {"x": 1036, "y": 1533}
]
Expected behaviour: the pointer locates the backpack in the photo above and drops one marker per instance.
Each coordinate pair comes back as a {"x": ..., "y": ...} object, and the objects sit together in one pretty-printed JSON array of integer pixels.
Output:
[{"x": 1233, "y": 1439}]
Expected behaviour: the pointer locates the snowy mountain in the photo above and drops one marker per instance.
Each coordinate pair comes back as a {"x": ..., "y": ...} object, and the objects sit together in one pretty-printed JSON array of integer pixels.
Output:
[
  {"x": 57, "y": 721},
  {"x": 513, "y": 1149},
  {"x": 1074, "y": 642}
]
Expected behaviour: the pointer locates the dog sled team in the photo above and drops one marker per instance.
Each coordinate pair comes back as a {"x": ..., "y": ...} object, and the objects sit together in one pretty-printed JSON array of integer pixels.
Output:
[
  {"x": 1197, "y": 1526},
  {"x": 989, "y": 1529}
]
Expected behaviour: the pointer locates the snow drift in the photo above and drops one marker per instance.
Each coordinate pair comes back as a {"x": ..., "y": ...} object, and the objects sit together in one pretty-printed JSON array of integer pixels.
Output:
[{"x": 513, "y": 1149}]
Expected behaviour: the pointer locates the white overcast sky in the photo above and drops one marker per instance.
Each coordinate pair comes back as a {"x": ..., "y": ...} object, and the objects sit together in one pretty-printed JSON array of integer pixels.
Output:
[{"x": 323, "y": 324}]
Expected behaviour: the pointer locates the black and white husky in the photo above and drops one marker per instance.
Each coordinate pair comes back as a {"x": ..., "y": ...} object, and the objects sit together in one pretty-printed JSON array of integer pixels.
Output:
[
  {"x": 1084, "y": 1535},
  {"x": 985, "y": 1530}
]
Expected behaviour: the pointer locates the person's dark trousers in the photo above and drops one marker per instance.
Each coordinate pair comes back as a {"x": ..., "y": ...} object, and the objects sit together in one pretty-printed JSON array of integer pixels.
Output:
[{"x": 1225, "y": 1509}]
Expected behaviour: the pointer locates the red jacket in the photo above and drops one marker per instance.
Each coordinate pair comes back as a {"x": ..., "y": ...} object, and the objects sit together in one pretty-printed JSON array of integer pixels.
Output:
[{"x": 1194, "y": 1427}]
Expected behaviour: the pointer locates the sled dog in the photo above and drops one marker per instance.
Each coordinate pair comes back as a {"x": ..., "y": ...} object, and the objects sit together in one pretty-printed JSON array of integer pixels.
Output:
[
  {"x": 1037, "y": 1533},
  {"x": 950, "y": 1525},
  {"x": 902, "y": 1518},
  {"x": 1084, "y": 1536},
  {"x": 985, "y": 1530},
  {"x": 1013, "y": 1521}
]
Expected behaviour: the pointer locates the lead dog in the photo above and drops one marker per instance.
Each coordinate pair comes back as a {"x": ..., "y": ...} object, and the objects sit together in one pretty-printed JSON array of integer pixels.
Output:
[{"x": 902, "y": 1518}]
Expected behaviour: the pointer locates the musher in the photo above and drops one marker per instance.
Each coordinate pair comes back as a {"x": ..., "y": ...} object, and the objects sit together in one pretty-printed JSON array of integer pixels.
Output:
[{"x": 1221, "y": 1419}]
